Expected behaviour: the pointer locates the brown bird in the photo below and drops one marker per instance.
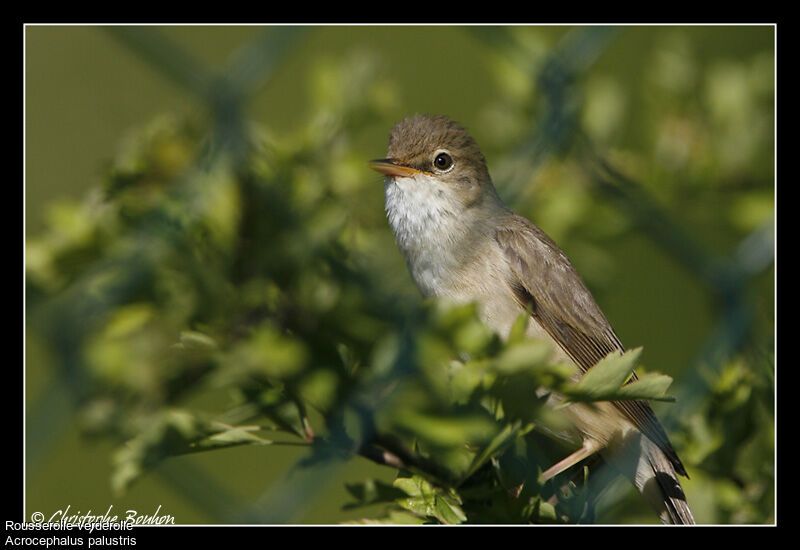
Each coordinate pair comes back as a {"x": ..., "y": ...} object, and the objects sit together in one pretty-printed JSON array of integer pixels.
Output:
[{"x": 461, "y": 242}]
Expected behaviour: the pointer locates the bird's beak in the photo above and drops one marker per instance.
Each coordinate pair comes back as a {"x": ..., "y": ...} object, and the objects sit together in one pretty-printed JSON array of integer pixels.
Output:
[{"x": 390, "y": 167}]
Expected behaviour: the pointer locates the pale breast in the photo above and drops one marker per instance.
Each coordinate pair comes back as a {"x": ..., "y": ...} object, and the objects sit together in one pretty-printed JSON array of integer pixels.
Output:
[{"x": 426, "y": 230}]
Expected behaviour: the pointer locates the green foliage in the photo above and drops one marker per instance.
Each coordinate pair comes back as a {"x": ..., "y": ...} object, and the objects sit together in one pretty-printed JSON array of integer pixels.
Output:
[
  {"x": 606, "y": 381},
  {"x": 257, "y": 275},
  {"x": 733, "y": 436}
]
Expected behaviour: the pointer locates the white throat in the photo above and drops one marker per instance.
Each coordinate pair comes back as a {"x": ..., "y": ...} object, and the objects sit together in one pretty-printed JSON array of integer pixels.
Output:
[{"x": 428, "y": 227}]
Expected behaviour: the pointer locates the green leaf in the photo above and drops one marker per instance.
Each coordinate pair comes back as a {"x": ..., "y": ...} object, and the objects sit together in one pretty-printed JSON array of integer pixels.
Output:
[
  {"x": 649, "y": 386},
  {"x": 606, "y": 381},
  {"x": 545, "y": 512},
  {"x": 428, "y": 501},
  {"x": 167, "y": 433},
  {"x": 519, "y": 328},
  {"x": 412, "y": 485},
  {"x": 196, "y": 341},
  {"x": 287, "y": 413},
  {"x": 448, "y": 431},
  {"x": 230, "y": 436},
  {"x": 268, "y": 352},
  {"x": 603, "y": 381},
  {"x": 371, "y": 492},
  {"x": 522, "y": 356},
  {"x": 608, "y": 375},
  {"x": 465, "y": 378},
  {"x": 173, "y": 433},
  {"x": 448, "y": 510},
  {"x": 497, "y": 445}
]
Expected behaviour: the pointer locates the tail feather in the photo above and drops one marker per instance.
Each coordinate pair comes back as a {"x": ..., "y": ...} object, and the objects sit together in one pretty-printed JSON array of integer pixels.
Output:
[{"x": 657, "y": 481}]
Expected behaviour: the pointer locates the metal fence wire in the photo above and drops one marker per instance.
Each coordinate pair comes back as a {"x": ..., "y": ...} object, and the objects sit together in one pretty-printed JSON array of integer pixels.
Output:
[{"x": 226, "y": 91}]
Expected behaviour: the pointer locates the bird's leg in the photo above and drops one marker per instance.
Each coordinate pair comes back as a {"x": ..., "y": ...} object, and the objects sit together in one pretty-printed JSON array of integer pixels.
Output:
[{"x": 590, "y": 446}]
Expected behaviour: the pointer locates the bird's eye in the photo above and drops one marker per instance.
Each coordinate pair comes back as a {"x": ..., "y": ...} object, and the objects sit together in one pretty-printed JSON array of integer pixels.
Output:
[{"x": 443, "y": 161}]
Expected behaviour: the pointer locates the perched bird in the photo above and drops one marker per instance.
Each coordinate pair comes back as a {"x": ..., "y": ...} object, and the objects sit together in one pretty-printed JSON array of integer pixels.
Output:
[{"x": 461, "y": 242}]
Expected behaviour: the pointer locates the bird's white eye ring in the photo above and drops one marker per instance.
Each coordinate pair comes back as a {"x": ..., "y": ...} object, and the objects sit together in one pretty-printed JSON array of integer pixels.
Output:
[{"x": 442, "y": 162}]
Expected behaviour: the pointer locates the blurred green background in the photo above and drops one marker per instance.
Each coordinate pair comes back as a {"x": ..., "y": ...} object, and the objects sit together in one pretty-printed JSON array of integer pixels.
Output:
[{"x": 687, "y": 113}]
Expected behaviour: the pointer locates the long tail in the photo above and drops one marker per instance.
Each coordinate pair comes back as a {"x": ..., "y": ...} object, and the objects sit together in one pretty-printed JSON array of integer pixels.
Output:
[{"x": 655, "y": 477}]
